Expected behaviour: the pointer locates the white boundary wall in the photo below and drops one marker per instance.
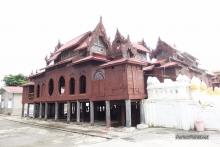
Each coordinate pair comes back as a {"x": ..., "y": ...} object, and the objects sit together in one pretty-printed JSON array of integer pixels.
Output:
[{"x": 173, "y": 104}]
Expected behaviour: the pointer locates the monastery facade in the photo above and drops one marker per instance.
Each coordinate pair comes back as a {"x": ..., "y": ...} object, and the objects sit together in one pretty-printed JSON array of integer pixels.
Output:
[{"x": 90, "y": 79}]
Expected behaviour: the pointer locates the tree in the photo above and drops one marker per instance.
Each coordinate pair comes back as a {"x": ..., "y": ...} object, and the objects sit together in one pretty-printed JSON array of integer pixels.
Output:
[{"x": 15, "y": 80}]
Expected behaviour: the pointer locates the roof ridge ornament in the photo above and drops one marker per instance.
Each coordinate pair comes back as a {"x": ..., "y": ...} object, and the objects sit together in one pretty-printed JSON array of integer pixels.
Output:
[
  {"x": 159, "y": 39},
  {"x": 100, "y": 26},
  {"x": 59, "y": 45},
  {"x": 118, "y": 35},
  {"x": 144, "y": 43},
  {"x": 99, "y": 31},
  {"x": 100, "y": 20},
  {"x": 128, "y": 38},
  {"x": 46, "y": 60}
]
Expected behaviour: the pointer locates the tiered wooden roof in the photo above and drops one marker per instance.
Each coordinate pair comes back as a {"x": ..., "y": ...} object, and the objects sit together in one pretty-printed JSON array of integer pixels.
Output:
[
  {"x": 82, "y": 41},
  {"x": 121, "y": 43},
  {"x": 174, "y": 55}
]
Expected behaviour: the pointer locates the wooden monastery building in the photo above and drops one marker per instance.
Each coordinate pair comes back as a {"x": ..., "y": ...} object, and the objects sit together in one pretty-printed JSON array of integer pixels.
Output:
[
  {"x": 171, "y": 62},
  {"x": 216, "y": 79},
  {"x": 90, "y": 79}
]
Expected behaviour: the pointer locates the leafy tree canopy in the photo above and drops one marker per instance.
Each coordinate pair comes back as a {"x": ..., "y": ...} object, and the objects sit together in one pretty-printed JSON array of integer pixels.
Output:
[{"x": 15, "y": 80}]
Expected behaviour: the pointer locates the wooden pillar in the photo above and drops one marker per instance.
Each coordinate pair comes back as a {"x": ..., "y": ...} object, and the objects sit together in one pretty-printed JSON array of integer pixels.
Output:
[
  {"x": 46, "y": 111},
  {"x": 68, "y": 112},
  {"x": 142, "y": 115},
  {"x": 77, "y": 111},
  {"x": 22, "y": 111},
  {"x": 82, "y": 114},
  {"x": 91, "y": 112},
  {"x": 107, "y": 113},
  {"x": 28, "y": 107},
  {"x": 128, "y": 112},
  {"x": 56, "y": 111},
  {"x": 61, "y": 109},
  {"x": 122, "y": 115},
  {"x": 40, "y": 111},
  {"x": 71, "y": 108},
  {"x": 34, "y": 111}
]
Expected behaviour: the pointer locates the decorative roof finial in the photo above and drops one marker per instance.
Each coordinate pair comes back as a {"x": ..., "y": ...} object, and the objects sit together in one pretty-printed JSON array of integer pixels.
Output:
[
  {"x": 47, "y": 60},
  {"x": 159, "y": 38},
  {"x": 118, "y": 34},
  {"x": 100, "y": 21},
  {"x": 128, "y": 38},
  {"x": 59, "y": 44},
  {"x": 117, "y": 31},
  {"x": 58, "y": 41},
  {"x": 143, "y": 43}
]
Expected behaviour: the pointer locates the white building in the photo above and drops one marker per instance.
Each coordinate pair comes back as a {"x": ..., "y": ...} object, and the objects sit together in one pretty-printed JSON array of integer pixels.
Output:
[{"x": 10, "y": 100}]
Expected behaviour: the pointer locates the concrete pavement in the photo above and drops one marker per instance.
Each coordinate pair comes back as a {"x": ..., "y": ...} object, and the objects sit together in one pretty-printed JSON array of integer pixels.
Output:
[{"x": 16, "y": 131}]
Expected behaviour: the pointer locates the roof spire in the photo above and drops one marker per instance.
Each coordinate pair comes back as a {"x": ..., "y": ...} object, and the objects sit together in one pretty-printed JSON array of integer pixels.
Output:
[
  {"x": 100, "y": 20},
  {"x": 128, "y": 38},
  {"x": 100, "y": 27},
  {"x": 159, "y": 41},
  {"x": 117, "y": 31},
  {"x": 59, "y": 44},
  {"x": 143, "y": 43},
  {"x": 159, "y": 38},
  {"x": 118, "y": 35}
]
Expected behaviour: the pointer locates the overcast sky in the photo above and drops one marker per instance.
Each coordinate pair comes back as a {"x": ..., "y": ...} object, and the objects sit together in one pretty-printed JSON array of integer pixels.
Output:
[{"x": 29, "y": 29}]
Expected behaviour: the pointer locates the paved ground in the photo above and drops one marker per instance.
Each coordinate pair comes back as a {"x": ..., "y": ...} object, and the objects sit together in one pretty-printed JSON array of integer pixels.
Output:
[
  {"x": 22, "y": 132},
  {"x": 13, "y": 134},
  {"x": 157, "y": 137}
]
